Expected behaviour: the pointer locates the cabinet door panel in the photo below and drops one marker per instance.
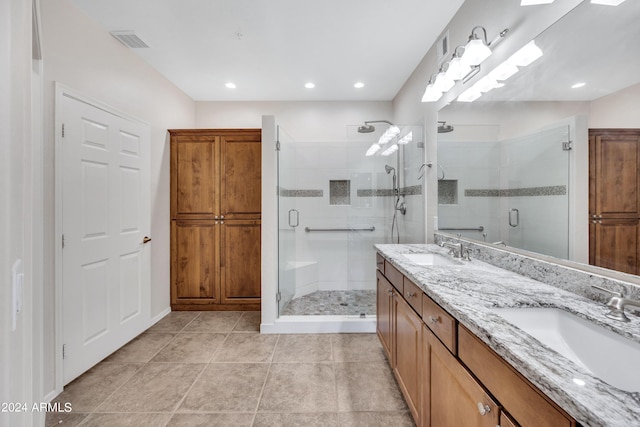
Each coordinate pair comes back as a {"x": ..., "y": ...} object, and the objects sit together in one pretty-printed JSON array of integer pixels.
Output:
[
  {"x": 194, "y": 262},
  {"x": 407, "y": 353},
  {"x": 617, "y": 244},
  {"x": 384, "y": 301},
  {"x": 240, "y": 262},
  {"x": 456, "y": 397},
  {"x": 194, "y": 182},
  {"x": 241, "y": 176}
]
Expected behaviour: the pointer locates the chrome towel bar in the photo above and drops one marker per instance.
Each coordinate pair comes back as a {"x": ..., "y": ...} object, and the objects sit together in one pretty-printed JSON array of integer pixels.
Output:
[
  {"x": 481, "y": 228},
  {"x": 307, "y": 229}
]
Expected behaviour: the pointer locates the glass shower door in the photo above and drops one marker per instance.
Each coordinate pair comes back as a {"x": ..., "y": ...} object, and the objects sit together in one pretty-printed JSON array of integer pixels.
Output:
[{"x": 288, "y": 219}]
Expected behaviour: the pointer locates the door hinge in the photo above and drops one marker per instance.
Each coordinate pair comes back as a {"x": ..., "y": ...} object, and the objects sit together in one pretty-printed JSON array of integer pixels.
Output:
[
  {"x": 63, "y": 241},
  {"x": 64, "y": 351},
  {"x": 278, "y": 297},
  {"x": 277, "y": 145},
  {"x": 566, "y": 146},
  {"x": 63, "y": 130}
]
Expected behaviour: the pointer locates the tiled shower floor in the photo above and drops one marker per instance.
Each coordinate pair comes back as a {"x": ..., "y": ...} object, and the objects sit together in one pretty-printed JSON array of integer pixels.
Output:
[{"x": 339, "y": 303}]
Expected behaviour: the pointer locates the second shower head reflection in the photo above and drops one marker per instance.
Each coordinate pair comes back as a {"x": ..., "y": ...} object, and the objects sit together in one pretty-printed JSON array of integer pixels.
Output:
[{"x": 388, "y": 169}]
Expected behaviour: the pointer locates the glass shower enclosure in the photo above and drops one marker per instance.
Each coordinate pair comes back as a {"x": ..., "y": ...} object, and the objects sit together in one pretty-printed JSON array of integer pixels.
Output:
[{"x": 334, "y": 203}]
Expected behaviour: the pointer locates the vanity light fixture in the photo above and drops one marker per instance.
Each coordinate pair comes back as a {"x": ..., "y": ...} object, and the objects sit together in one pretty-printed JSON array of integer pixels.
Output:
[
  {"x": 443, "y": 83},
  {"x": 525, "y": 55},
  {"x": 608, "y": 2},
  {"x": 469, "y": 95},
  {"x": 373, "y": 149},
  {"x": 431, "y": 93},
  {"x": 503, "y": 71},
  {"x": 534, "y": 2},
  {"x": 406, "y": 139},
  {"x": 477, "y": 49},
  {"x": 389, "y": 134},
  {"x": 457, "y": 69},
  {"x": 389, "y": 151}
]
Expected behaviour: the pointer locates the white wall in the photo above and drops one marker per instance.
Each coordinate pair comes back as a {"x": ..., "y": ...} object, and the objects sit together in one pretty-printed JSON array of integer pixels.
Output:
[
  {"x": 618, "y": 110},
  {"x": 84, "y": 57}
]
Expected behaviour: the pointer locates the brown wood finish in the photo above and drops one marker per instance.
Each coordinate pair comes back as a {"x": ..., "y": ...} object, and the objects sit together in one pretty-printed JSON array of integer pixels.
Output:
[
  {"x": 454, "y": 394},
  {"x": 407, "y": 330},
  {"x": 216, "y": 180},
  {"x": 614, "y": 199},
  {"x": 394, "y": 276},
  {"x": 506, "y": 421},
  {"x": 526, "y": 404},
  {"x": 413, "y": 295},
  {"x": 240, "y": 261},
  {"x": 241, "y": 174},
  {"x": 379, "y": 263},
  {"x": 440, "y": 322},
  {"x": 384, "y": 314},
  {"x": 194, "y": 256}
]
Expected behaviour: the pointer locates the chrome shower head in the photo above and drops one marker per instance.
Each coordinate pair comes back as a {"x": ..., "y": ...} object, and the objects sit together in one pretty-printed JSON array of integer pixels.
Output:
[
  {"x": 443, "y": 127},
  {"x": 388, "y": 169},
  {"x": 366, "y": 129}
]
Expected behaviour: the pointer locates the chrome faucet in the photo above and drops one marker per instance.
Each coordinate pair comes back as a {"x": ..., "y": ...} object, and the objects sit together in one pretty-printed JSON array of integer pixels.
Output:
[
  {"x": 456, "y": 249},
  {"x": 617, "y": 303}
]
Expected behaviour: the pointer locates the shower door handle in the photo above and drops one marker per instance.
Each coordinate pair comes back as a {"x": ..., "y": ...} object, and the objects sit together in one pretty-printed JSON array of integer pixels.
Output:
[
  {"x": 297, "y": 218},
  {"x": 514, "y": 213}
]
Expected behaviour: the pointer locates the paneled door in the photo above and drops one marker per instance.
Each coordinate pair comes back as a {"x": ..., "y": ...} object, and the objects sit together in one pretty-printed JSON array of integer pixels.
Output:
[{"x": 105, "y": 226}]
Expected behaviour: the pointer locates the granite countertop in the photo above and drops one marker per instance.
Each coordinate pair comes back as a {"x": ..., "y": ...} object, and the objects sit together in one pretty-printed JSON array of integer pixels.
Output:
[{"x": 471, "y": 291}]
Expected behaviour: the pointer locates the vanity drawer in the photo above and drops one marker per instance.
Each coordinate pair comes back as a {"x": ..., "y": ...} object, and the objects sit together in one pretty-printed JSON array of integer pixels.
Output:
[
  {"x": 516, "y": 394},
  {"x": 380, "y": 262},
  {"x": 394, "y": 276},
  {"x": 440, "y": 322},
  {"x": 413, "y": 295}
]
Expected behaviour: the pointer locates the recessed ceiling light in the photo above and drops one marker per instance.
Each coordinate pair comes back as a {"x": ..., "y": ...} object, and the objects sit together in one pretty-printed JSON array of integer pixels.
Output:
[
  {"x": 533, "y": 2},
  {"x": 358, "y": 85},
  {"x": 607, "y": 2},
  {"x": 230, "y": 85},
  {"x": 309, "y": 85},
  {"x": 578, "y": 85}
]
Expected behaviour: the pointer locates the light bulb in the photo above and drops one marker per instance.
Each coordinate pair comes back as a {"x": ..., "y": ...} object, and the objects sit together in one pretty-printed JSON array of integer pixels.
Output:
[{"x": 475, "y": 52}]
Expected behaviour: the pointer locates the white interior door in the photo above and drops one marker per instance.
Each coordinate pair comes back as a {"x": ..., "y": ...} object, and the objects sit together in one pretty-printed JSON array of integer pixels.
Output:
[{"x": 105, "y": 219}]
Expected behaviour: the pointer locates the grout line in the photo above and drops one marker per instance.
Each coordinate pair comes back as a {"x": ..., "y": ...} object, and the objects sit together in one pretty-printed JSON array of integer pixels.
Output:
[
  {"x": 266, "y": 378},
  {"x": 335, "y": 377}
]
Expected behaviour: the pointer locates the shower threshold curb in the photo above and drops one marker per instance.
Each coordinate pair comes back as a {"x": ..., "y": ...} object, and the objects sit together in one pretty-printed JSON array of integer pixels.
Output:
[{"x": 318, "y": 324}]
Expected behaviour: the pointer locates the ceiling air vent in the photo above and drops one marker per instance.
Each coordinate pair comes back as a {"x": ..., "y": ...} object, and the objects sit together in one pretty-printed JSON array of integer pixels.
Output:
[{"x": 129, "y": 39}]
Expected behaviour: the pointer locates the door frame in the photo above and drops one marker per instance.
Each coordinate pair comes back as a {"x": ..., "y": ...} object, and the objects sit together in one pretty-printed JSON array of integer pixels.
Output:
[{"x": 62, "y": 91}]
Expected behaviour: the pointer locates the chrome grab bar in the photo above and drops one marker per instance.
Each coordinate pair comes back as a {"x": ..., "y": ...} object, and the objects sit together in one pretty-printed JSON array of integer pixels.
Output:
[
  {"x": 307, "y": 229},
  {"x": 481, "y": 228}
]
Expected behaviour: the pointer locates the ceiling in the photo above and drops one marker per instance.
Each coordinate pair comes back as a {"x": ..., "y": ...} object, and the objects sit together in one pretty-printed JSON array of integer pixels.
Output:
[
  {"x": 270, "y": 49},
  {"x": 593, "y": 44}
]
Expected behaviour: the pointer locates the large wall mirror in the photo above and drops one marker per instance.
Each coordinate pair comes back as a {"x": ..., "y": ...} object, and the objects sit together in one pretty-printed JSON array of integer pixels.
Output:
[{"x": 513, "y": 166}]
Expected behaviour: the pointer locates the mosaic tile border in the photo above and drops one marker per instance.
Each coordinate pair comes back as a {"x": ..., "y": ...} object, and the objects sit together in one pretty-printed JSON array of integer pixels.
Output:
[
  {"x": 300, "y": 193},
  {"x": 552, "y": 190},
  {"x": 414, "y": 190}
]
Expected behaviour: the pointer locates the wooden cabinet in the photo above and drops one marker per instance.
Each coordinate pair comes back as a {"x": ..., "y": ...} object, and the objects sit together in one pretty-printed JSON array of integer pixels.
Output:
[
  {"x": 452, "y": 397},
  {"x": 384, "y": 314},
  {"x": 215, "y": 215},
  {"x": 407, "y": 348},
  {"x": 614, "y": 199},
  {"x": 449, "y": 378}
]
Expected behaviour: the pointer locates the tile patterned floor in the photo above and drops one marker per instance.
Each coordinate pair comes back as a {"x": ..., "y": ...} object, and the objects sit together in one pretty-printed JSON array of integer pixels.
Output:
[
  {"x": 215, "y": 369},
  {"x": 340, "y": 303}
]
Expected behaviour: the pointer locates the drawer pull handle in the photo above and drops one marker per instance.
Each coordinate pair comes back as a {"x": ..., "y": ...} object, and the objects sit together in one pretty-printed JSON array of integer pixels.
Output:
[
  {"x": 483, "y": 409},
  {"x": 411, "y": 295},
  {"x": 434, "y": 319}
]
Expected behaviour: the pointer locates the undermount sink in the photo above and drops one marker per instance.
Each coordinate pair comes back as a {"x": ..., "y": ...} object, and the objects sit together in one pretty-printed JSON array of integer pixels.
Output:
[
  {"x": 605, "y": 354},
  {"x": 431, "y": 259}
]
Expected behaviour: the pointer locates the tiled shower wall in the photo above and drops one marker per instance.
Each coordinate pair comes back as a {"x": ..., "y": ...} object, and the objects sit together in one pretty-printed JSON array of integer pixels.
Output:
[{"x": 334, "y": 185}]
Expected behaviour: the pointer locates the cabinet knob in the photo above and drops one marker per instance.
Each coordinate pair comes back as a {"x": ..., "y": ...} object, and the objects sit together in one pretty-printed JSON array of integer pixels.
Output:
[
  {"x": 434, "y": 319},
  {"x": 221, "y": 216},
  {"x": 599, "y": 222},
  {"x": 221, "y": 222},
  {"x": 483, "y": 409},
  {"x": 215, "y": 223},
  {"x": 215, "y": 217},
  {"x": 411, "y": 294}
]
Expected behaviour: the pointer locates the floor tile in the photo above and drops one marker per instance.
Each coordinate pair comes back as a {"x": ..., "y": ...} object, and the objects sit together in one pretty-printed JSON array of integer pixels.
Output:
[
  {"x": 222, "y": 387},
  {"x": 245, "y": 347},
  {"x": 321, "y": 419},
  {"x": 157, "y": 387},
  {"x": 249, "y": 322},
  {"x": 174, "y": 321},
  {"x": 126, "y": 420},
  {"x": 64, "y": 419},
  {"x": 214, "y": 321},
  {"x": 299, "y": 387},
  {"x": 141, "y": 349},
  {"x": 89, "y": 390},
  {"x": 367, "y": 387},
  {"x": 357, "y": 348},
  {"x": 190, "y": 347},
  {"x": 376, "y": 419},
  {"x": 208, "y": 420},
  {"x": 307, "y": 348}
]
